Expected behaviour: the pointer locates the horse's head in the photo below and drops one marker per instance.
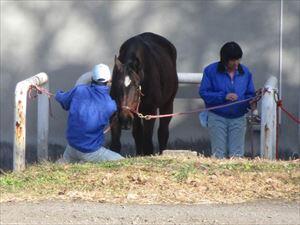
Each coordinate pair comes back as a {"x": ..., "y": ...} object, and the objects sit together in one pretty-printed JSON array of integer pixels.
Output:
[{"x": 126, "y": 89}]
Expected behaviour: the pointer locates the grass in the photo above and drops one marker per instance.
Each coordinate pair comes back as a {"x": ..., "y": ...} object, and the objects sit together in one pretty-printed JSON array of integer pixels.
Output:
[{"x": 158, "y": 179}]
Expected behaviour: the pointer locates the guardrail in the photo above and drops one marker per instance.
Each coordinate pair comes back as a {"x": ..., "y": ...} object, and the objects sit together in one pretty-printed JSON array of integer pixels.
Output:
[{"x": 21, "y": 93}]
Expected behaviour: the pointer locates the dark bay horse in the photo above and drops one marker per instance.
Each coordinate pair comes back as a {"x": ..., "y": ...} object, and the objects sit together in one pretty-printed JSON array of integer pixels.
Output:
[{"x": 144, "y": 79}]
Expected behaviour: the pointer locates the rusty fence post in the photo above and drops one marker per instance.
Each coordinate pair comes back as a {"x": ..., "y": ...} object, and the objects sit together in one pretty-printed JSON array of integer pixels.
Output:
[
  {"x": 21, "y": 92},
  {"x": 268, "y": 120}
]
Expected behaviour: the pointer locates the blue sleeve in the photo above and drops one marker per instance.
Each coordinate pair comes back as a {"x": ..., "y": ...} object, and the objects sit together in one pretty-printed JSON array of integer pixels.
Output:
[
  {"x": 250, "y": 92},
  {"x": 206, "y": 92},
  {"x": 113, "y": 107},
  {"x": 65, "y": 98}
]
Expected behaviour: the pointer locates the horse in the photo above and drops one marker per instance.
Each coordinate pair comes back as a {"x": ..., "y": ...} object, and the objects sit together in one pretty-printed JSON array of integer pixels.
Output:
[{"x": 144, "y": 80}]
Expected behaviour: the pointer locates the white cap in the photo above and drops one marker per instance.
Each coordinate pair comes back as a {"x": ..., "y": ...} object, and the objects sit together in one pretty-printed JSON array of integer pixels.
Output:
[{"x": 101, "y": 72}]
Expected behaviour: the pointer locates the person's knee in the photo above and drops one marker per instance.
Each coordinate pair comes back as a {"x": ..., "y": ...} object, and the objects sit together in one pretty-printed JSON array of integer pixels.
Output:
[
  {"x": 115, "y": 156},
  {"x": 109, "y": 155},
  {"x": 65, "y": 158},
  {"x": 119, "y": 157},
  {"x": 237, "y": 153},
  {"x": 61, "y": 161},
  {"x": 218, "y": 153}
]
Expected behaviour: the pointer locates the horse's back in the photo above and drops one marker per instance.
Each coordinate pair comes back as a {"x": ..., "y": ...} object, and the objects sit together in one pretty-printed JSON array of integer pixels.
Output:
[
  {"x": 164, "y": 43},
  {"x": 149, "y": 41}
]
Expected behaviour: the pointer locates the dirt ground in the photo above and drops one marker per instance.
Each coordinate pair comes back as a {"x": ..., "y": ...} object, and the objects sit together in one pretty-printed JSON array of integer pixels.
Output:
[{"x": 71, "y": 213}]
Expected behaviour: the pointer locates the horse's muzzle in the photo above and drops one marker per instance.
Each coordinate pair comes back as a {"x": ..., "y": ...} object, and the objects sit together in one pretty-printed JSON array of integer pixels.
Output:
[
  {"x": 126, "y": 125},
  {"x": 125, "y": 119}
]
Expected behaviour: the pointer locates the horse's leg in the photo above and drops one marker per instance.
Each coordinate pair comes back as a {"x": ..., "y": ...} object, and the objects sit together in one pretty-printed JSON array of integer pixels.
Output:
[
  {"x": 115, "y": 129},
  {"x": 137, "y": 133},
  {"x": 163, "y": 130},
  {"x": 147, "y": 138}
]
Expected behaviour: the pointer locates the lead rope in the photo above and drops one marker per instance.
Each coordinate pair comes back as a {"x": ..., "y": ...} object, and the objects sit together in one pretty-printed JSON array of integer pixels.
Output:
[
  {"x": 40, "y": 90},
  {"x": 256, "y": 98}
]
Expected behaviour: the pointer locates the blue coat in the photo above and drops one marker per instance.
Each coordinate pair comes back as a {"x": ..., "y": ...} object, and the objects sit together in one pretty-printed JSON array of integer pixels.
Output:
[
  {"x": 90, "y": 107},
  {"x": 216, "y": 84}
]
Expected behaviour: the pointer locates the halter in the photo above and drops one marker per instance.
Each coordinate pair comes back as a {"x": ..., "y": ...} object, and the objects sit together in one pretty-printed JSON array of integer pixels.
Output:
[{"x": 136, "y": 110}]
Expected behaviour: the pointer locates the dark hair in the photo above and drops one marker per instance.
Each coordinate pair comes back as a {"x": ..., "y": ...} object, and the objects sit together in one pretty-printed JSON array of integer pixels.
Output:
[{"x": 229, "y": 51}]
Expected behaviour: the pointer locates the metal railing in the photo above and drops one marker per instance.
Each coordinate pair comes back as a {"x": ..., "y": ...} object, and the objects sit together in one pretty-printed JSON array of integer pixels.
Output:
[
  {"x": 21, "y": 93},
  {"x": 183, "y": 78}
]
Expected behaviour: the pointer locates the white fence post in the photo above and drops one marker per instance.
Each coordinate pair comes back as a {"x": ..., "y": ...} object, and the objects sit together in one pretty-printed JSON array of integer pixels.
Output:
[
  {"x": 21, "y": 92},
  {"x": 268, "y": 120},
  {"x": 43, "y": 125}
]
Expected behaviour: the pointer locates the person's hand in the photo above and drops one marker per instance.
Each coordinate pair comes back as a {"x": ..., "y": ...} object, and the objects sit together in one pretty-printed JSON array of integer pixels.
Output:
[
  {"x": 253, "y": 105},
  {"x": 231, "y": 97}
]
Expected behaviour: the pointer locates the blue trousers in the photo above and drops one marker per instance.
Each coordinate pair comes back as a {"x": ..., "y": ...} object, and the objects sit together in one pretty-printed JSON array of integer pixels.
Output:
[
  {"x": 72, "y": 155},
  {"x": 227, "y": 136}
]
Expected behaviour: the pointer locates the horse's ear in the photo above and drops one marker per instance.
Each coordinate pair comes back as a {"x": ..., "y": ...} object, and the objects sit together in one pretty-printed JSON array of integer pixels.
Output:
[{"x": 118, "y": 63}]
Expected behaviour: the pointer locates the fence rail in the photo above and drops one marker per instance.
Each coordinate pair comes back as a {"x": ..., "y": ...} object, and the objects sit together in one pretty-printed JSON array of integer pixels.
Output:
[{"x": 183, "y": 78}]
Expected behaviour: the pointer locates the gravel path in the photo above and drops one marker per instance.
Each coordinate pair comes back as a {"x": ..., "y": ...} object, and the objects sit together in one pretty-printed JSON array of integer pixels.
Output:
[{"x": 79, "y": 213}]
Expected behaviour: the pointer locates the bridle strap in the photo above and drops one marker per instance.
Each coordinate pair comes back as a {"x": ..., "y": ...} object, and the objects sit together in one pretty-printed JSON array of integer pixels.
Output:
[{"x": 136, "y": 110}]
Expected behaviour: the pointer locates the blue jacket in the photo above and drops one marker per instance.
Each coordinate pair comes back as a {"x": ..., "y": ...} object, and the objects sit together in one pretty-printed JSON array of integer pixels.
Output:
[
  {"x": 216, "y": 84},
  {"x": 90, "y": 107}
]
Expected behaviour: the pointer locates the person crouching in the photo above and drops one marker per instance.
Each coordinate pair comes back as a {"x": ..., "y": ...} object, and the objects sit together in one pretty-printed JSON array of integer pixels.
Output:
[{"x": 90, "y": 108}]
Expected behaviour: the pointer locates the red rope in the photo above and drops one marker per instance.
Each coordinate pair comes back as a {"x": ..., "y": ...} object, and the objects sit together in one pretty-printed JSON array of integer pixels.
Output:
[
  {"x": 40, "y": 90},
  {"x": 290, "y": 115},
  {"x": 148, "y": 117},
  {"x": 258, "y": 94},
  {"x": 106, "y": 129},
  {"x": 277, "y": 132}
]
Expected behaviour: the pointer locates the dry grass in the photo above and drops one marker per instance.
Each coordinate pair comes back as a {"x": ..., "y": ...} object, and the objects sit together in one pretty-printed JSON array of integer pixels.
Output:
[{"x": 159, "y": 179}]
